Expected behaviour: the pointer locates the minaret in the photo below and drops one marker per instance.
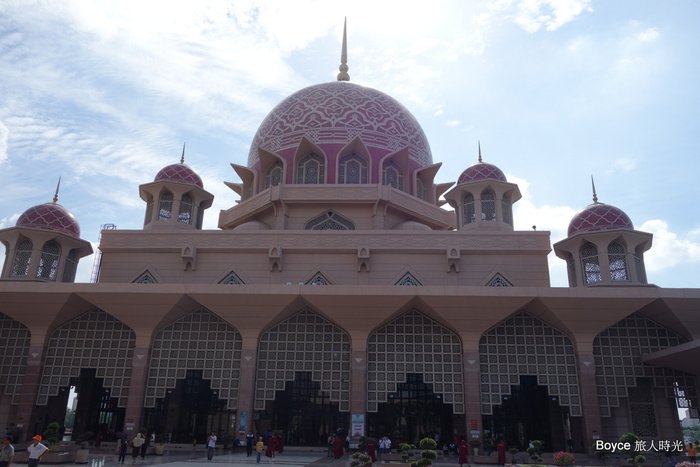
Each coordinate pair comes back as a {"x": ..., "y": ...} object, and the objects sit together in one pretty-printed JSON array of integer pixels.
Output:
[{"x": 343, "y": 75}]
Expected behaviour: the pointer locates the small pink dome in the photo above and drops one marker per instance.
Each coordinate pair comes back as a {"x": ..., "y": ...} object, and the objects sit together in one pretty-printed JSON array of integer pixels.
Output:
[
  {"x": 331, "y": 115},
  {"x": 599, "y": 216},
  {"x": 481, "y": 171},
  {"x": 179, "y": 173},
  {"x": 50, "y": 216}
]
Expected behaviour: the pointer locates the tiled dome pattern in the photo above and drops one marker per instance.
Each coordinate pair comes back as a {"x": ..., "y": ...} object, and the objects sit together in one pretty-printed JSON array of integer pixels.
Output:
[
  {"x": 50, "y": 216},
  {"x": 481, "y": 171},
  {"x": 599, "y": 216},
  {"x": 179, "y": 173},
  {"x": 337, "y": 112}
]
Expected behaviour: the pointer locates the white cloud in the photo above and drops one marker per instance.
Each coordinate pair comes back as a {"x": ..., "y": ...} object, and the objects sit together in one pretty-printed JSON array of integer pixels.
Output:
[
  {"x": 452, "y": 123},
  {"x": 4, "y": 132},
  {"x": 647, "y": 35},
  {"x": 9, "y": 221},
  {"x": 668, "y": 249},
  {"x": 532, "y": 15},
  {"x": 622, "y": 164}
]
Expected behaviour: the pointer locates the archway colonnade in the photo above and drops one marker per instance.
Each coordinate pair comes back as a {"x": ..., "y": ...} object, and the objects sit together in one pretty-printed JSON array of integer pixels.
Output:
[{"x": 359, "y": 348}]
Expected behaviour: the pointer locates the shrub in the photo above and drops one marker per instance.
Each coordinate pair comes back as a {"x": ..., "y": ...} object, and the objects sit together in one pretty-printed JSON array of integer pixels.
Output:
[
  {"x": 360, "y": 459},
  {"x": 563, "y": 458}
]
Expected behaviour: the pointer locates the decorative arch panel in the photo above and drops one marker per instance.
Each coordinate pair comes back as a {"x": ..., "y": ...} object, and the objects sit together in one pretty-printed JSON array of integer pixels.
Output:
[
  {"x": 92, "y": 340},
  {"x": 14, "y": 350},
  {"x": 304, "y": 342},
  {"x": 524, "y": 345},
  {"x": 414, "y": 343},
  {"x": 198, "y": 341}
]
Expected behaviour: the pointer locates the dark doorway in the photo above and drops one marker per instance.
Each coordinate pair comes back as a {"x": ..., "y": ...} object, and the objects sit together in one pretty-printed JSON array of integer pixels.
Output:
[
  {"x": 530, "y": 413},
  {"x": 413, "y": 412},
  {"x": 303, "y": 413},
  {"x": 93, "y": 409},
  {"x": 189, "y": 412}
]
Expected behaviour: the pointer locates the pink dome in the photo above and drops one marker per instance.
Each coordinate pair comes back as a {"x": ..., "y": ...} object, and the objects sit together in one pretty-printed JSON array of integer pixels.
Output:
[
  {"x": 599, "y": 216},
  {"x": 179, "y": 173},
  {"x": 481, "y": 171},
  {"x": 50, "y": 216},
  {"x": 331, "y": 115}
]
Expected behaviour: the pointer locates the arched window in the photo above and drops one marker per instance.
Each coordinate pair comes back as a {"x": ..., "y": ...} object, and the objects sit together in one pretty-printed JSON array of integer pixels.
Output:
[
  {"x": 274, "y": 176},
  {"x": 392, "y": 176},
  {"x": 330, "y": 221},
  {"x": 71, "y": 266},
  {"x": 48, "y": 262},
  {"x": 420, "y": 189},
  {"x": 185, "y": 214},
  {"x": 571, "y": 269},
  {"x": 639, "y": 266},
  {"x": 311, "y": 170},
  {"x": 165, "y": 206},
  {"x": 468, "y": 209},
  {"x": 590, "y": 264},
  {"x": 23, "y": 253},
  {"x": 618, "y": 262},
  {"x": 507, "y": 207},
  {"x": 488, "y": 205},
  {"x": 352, "y": 169}
]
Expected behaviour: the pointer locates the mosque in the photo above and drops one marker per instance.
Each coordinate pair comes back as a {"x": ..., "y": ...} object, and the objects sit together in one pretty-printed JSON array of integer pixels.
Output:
[{"x": 345, "y": 290}]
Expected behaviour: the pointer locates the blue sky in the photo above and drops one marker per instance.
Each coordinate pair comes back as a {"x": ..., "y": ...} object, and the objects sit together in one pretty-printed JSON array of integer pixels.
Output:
[{"x": 104, "y": 94}]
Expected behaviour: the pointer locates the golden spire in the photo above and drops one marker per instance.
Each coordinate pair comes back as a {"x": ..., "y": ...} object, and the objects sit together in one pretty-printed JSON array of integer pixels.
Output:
[
  {"x": 343, "y": 75},
  {"x": 55, "y": 195}
]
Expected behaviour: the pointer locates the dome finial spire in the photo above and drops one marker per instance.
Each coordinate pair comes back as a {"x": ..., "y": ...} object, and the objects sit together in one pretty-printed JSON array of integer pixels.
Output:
[
  {"x": 595, "y": 196},
  {"x": 343, "y": 75},
  {"x": 182, "y": 158},
  {"x": 55, "y": 195},
  {"x": 479, "y": 143}
]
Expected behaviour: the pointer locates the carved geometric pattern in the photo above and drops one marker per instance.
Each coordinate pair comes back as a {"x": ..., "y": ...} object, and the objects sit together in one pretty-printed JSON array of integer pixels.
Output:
[
  {"x": 50, "y": 216},
  {"x": 481, "y": 171},
  {"x": 414, "y": 343},
  {"x": 498, "y": 281},
  {"x": 145, "y": 278},
  {"x": 198, "y": 341},
  {"x": 335, "y": 112},
  {"x": 599, "y": 216},
  {"x": 330, "y": 221},
  {"x": 617, "y": 259},
  {"x": 231, "y": 278},
  {"x": 92, "y": 340},
  {"x": 524, "y": 345},
  {"x": 14, "y": 350},
  {"x": 318, "y": 279},
  {"x": 179, "y": 173},
  {"x": 618, "y": 351},
  {"x": 408, "y": 279},
  {"x": 302, "y": 343}
]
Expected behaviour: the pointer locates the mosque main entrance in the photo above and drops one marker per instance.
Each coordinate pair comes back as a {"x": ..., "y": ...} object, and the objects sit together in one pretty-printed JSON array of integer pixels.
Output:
[
  {"x": 189, "y": 412},
  {"x": 530, "y": 413},
  {"x": 411, "y": 413},
  {"x": 303, "y": 413}
]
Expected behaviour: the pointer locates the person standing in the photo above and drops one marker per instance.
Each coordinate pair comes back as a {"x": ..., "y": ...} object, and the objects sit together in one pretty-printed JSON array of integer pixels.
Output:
[
  {"x": 692, "y": 452},
  {"x": 7, "y": 452},
  {"x": 211, "y": 445},
  {"x": 122, "y": 443},
  {"x": 35, "y": 451},
  {"x": 501, "y": 450},
  {"x": 249, "y": 441},
  {"x": 259, "y": 449},
  {"x": 136, "y": 444},
  {"x": 463, "y": 451}
]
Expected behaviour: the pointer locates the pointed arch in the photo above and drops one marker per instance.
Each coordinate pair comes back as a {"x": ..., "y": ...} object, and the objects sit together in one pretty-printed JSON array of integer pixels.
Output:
[
  {"x": 204, "y": 342},
  {"x": 408, "y": 279},
  {"x": 92, "y": 340},
  {"x": 184, "y": 216},
  {"x": 145, "y": 278},
  {"x": 392, "y": 175},
  {"x": 318, "y": 279},
  {"x": 23, "y": 255},
  {"x": 165, "y": 205},
  {"x": 507, "y": 209},
  {"x": 304, "y": 342},
  {"x": 14, "y": 350},
  {"x": 353, "y": 165},
  {"x": 498, "y": 281},
  {"x": 71, "y": 266},
  {"x": 618, "y": 354},
  {"x": 488, "y": 205},
  {"x": 468, "y": 210},
  {"x": 49, "y": 261},
  {"x": 524, "y": 345},
  {"x": 617, "y": 262},
  {"x": 272, "y": 169},
  {"x": 330, "y": 220},
  {"x": 310, "y": 165},
  {"x": 231, "y": 278},
  {"x": 414, "y": 343},
  {"x": 590, "y": 264}
]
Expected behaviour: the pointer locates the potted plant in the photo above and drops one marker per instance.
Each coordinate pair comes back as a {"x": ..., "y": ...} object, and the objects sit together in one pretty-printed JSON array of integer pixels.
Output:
[
  {"x": 475, "y": 443},
  {"x": 535, "y": 451},
  {"x": 563, "y": 459},
  {"x": 405, "y": 449},
  {"x": 360, "y": 459},
  {"x": 159, "y": 446},
  {"x": 428, "y": 454}
]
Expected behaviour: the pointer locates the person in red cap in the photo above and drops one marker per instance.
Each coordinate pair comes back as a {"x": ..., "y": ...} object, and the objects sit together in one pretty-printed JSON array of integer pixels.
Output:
[{"x": 35, "y": 451}]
